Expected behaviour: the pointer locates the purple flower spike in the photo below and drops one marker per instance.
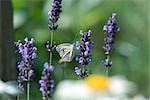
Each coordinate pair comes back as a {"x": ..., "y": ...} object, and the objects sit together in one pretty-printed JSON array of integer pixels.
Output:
[
  {"x": 53, "y": 14},
  {"x": 84, "y": 46},
  {"x": 110, "y": 29},
  {"x": 48, "y": 69},
  {"x": 46, "y": 82},
  {"x": 28, "y": 53},
  {"x": 50, "y": 47},
  {"x": 82, "y": 73},
  {"x": 107, "y": 62}
]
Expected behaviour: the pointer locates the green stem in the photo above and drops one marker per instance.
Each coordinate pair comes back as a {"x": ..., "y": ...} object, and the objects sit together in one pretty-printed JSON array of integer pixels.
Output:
[
  {"x": 49, "y": 99},
  {"x": 83, "y": 69},
  {"x": 51, "y": 42},
  {"x": 63, "y": 71},
  {"x": 28, "y": 90},
  {"x": 107, "y": 69},
  {"x": 18, "y": 97},
  {"x": 19, "y": 84}
]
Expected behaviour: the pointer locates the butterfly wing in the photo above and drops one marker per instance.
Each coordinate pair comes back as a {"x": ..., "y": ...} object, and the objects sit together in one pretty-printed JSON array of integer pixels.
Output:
[{"x": 65, "y": 51}]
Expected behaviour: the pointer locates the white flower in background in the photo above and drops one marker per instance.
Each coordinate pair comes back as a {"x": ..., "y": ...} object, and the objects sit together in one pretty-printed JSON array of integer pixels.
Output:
[
  {"x": 95, "y": 87},
  {"x": 121, "y": 86},
  {"x": 72, "y": 90},
  {"x": 9, "y": 88}
]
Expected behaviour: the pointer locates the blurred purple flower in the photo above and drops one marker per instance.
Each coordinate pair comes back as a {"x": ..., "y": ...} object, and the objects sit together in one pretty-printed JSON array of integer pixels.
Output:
[
  {"x": 53, "y": 14},
  {"x": 110, "y": 29},
  {"x": 28, "y": 53},
  {"x": 50, "y": 47},
  {"x": 82, "y": 73},
  {"x": 107, "y": 62},
  {"x": 46, "y": 82}
]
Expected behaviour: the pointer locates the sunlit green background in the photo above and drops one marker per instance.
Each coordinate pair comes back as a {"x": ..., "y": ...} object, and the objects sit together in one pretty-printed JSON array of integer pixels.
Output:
[{"x": 130, "y": 55}]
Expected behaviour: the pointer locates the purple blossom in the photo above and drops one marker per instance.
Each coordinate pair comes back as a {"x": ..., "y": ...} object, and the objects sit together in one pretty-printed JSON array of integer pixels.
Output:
[
  {"x": 48, "y": 69},
  {"x": 85, "y": 46},
  {"x": 82, "y": 73},
  {"x": 50, "y": 47},
  {"x": 107, "y": 62},
  {"x": 53, "y": 14},
  {"x": 28, "y": 53},
  {"x": 46, "y": 82},
  {"x": 110, "y": 29}
]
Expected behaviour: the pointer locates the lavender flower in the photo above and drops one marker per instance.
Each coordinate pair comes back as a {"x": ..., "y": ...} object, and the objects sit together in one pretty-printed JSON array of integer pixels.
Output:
[
  {"x": 110, "y": 29},
  {"x": 46, "y": 82},
  {"x": 28, "y": 53},
  {"x": 85, "y": 46},
  {"x": 50, "y": 47},
  {"x": 82, "y": 73},
  {"x": 54, "y": 13},
  {"x": 107, "y": 62}
]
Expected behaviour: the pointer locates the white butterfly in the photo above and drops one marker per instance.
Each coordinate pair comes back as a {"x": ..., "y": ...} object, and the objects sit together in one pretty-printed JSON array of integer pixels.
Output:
[{"x": 65, "y": 51}]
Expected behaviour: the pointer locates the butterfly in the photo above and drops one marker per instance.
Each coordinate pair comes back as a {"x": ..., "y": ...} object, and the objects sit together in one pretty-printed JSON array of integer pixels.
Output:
[{"x": 65, "y": 51}]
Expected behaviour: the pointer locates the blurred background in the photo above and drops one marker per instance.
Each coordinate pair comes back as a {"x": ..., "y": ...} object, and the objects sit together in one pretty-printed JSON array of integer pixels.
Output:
[{"x": 130, "y": 54}]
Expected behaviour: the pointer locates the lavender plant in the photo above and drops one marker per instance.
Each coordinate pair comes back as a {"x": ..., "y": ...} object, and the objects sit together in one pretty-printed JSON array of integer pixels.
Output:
[
  {"x": 110, "y": 29},
  {"x": 85, "y": 46},
  {"x": 53, "y": 16},
  {"x": 25, "y": 67},
  {"x": 50, "y": 47},
  {"x": 46, "y": 82}
]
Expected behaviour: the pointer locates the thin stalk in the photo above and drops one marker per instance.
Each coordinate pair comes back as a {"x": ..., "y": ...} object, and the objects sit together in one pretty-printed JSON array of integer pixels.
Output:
[
  {"x": 51, "y": 42},
  {"x": 107, "y": 68},
  {"x": 83, "y": 70},
  {"x": 18, "y": 96},
  {"x": 49, "y": 99},
  {"x": 28, "y": 90},
  {"x": 107, "y": 77},
  {"x": 106, "y": 72},
  {"x": 63, "y": 71}
]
